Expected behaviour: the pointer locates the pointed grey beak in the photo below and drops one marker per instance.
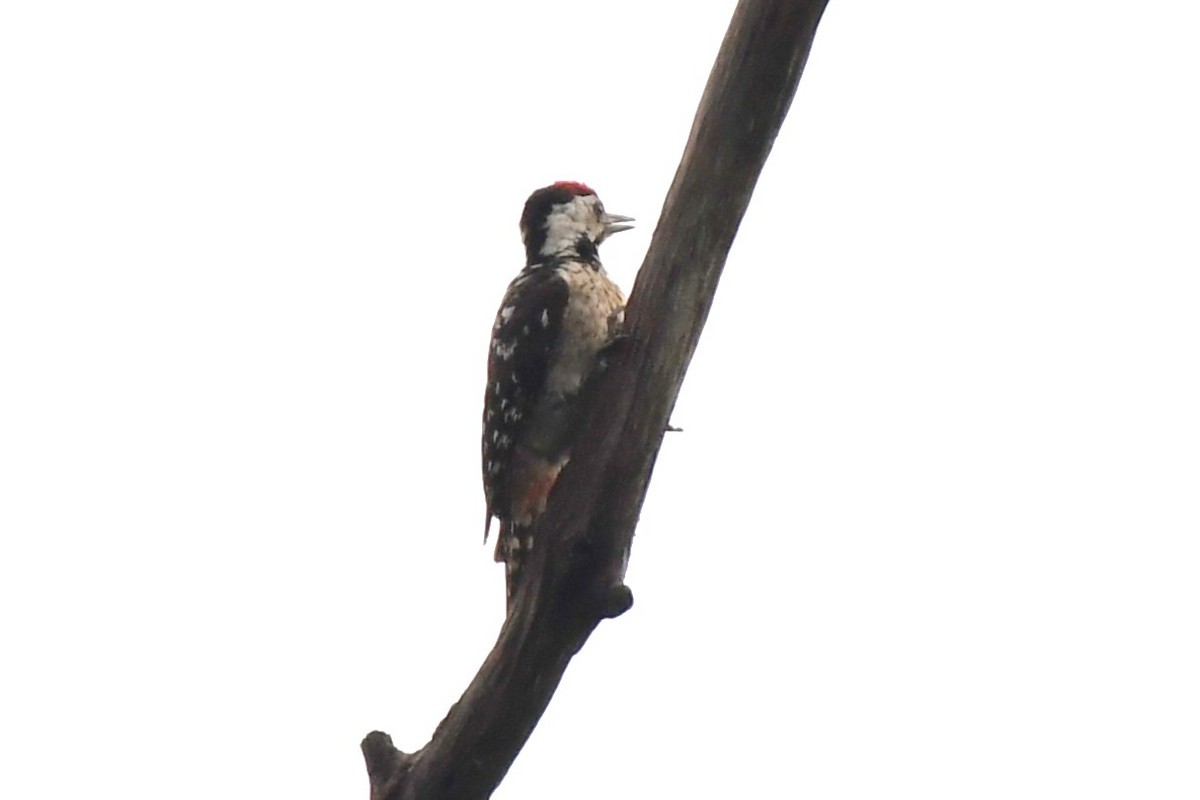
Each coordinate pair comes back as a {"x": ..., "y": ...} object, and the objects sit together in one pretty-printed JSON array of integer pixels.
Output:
[{"x": 613, "y": 224}]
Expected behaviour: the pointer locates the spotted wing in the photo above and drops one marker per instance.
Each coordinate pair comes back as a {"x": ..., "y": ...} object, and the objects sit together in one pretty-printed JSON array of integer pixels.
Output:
[{"x": 524, "y": 335}]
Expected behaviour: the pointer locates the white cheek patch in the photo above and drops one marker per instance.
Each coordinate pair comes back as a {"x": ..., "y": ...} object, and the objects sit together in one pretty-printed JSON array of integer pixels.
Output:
[{"x": 569, "y": 222}]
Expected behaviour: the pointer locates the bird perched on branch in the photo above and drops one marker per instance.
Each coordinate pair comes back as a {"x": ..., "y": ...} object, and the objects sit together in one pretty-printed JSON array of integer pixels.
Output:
[{"x": 556, "y": 318}]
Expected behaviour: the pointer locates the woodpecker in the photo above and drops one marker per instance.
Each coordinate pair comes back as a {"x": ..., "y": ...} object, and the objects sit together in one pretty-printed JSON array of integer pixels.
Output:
[{"x": 556, "y": 318}]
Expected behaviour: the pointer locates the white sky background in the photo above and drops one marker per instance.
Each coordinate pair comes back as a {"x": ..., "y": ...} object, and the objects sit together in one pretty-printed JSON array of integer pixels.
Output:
[{"x": 930, "y": 531}]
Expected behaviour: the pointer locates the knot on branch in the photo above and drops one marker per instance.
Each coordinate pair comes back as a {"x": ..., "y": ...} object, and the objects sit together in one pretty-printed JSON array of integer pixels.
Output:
[
  {"x": 385, "y": 764},
  {"x": 614, "y": 601}
]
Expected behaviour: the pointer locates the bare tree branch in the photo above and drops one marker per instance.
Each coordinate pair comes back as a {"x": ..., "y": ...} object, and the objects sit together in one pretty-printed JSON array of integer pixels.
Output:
[{"x": 575, "y": 574}]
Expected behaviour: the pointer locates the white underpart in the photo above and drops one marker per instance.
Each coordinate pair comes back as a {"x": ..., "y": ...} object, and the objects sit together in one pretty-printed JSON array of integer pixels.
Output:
[
  {"x": 569, "y": 221},
  {"x": 594, "y": 312}
]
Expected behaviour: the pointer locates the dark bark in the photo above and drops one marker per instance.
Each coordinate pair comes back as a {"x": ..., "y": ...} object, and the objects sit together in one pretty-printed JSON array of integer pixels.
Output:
[{"x": 575, "y": 574}]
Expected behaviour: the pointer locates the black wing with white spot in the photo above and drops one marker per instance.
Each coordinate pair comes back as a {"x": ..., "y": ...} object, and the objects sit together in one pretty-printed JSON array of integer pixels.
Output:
[{"x": 524, "y": 335}]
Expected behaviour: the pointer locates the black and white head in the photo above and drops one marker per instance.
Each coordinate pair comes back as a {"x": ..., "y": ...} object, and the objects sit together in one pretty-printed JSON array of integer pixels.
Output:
[{"x": 566, "y": 218}]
